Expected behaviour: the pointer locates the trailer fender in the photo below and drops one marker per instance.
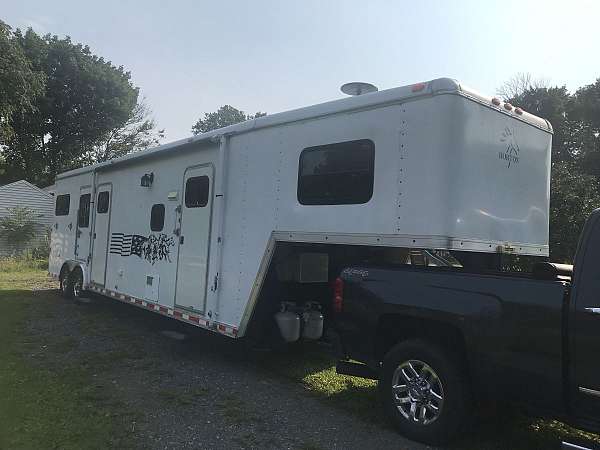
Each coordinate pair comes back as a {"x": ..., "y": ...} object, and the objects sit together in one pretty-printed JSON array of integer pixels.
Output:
[{"x": 72, "y": 264}]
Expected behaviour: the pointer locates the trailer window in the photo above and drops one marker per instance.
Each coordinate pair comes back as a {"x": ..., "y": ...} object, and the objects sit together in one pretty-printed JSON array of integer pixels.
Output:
[
  {"x": 103, "y": 201},
  {"x": 157, "y": 217},
  {"x": 62, "y": 205},
  {"x": 337, "y": 174},
  {"x": 196, "y": 192},
  {"x": 83, "y": 217}
]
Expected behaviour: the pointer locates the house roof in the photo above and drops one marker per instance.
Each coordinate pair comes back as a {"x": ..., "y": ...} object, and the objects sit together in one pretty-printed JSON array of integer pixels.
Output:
[{"x": 23, "y": 184}]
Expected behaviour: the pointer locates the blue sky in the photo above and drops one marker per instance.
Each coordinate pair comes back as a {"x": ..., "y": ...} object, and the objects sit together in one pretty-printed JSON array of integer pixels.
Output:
[{"x": 190, "y": 57}]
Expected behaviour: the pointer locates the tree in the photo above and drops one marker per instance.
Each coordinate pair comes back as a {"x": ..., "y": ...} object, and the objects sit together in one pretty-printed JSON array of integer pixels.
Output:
[
  {"x": 575, "y": 181},
  {"x": 573, "y": 197},
  {"x": 18, "y": 227},
  {"x": 87, "y": 104},
  {"x": 520, "y": 83},
  {"x": 226, "y": 115},
  {"x": 19, "y": 84},
  {"x": 137, "y": 133}
]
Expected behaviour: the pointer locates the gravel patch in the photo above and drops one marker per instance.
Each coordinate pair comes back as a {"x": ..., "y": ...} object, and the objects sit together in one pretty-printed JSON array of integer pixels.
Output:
[{"x": 202, "y": 391}]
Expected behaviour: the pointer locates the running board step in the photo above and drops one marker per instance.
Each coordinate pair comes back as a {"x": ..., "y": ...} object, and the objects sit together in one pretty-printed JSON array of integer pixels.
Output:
[{"x": 356, "y": 370}]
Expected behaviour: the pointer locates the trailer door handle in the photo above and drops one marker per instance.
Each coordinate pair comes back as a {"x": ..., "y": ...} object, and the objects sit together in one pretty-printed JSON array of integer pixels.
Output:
[
  {"x": 593, "y": 310},
  {"x": 181, "y": 239}
]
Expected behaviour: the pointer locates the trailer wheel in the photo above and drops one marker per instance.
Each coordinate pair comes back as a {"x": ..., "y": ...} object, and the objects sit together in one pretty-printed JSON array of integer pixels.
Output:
[
  {"x": 424, "y": 391},
  {"x": 74, "y": 285},
  {"x": 64, "y": 281}
]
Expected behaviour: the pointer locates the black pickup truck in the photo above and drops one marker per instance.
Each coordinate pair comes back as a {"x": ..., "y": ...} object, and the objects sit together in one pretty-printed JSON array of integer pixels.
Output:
[{"x": 441, "y": 339}]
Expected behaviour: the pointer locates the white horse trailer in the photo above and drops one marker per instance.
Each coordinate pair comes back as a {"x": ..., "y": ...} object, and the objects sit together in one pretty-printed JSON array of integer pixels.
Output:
[{"x": 207, "y": 229}]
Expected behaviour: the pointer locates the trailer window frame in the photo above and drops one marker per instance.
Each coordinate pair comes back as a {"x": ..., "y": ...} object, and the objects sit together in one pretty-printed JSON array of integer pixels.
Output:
[
  {"x": 103, "y": 202},
  {"x": 347, "y": 179},
  {"x": 157, "y": 217},
  {"x": 83, "y": 212},
  {"x": 197, "y": 191},
  {"x": 62, "y": 205}
]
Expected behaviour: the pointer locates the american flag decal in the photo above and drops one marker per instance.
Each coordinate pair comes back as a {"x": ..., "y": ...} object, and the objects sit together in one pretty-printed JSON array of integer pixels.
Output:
[
  {"x": 156, "y": 247},
  {"x": 127, "y": 244}
]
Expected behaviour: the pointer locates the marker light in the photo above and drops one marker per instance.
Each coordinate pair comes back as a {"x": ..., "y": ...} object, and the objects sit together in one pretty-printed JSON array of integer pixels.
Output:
[
  {"x": 518, "y": 110},
  {"x": 508, "y": 106},
  {"x": 417, "y": 87},
  {"x": 496, "y": 101}
]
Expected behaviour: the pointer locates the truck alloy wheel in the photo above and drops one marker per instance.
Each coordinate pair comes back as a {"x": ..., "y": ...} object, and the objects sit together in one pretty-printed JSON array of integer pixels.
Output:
[
  {"x": 424, "y": 390},
  {"x": 418, "y": 392}
]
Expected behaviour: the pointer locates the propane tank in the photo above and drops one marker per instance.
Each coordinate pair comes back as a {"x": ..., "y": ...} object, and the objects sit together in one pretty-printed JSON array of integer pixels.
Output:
[
  {"x": 288, "y": 323},
  {"x": 313, "y": 321}
]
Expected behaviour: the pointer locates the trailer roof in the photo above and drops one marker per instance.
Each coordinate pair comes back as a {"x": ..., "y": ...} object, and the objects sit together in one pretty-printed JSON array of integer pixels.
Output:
[{"x": 365, "y": 101}]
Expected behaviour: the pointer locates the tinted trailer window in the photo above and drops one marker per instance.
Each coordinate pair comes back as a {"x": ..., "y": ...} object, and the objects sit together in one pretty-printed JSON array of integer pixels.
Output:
[{"x": 337, "y": 174}]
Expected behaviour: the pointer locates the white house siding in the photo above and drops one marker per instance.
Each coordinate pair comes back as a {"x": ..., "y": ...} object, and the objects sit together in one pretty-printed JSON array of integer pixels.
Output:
[{"x": 24, "y": 194}]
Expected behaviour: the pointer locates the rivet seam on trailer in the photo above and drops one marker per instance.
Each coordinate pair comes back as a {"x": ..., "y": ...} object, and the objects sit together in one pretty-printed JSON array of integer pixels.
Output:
[{"x": 170, "y": 312}]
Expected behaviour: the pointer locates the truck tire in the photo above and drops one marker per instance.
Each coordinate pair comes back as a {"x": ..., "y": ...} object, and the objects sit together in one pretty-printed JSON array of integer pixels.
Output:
[{"x": 424, "y": 391}]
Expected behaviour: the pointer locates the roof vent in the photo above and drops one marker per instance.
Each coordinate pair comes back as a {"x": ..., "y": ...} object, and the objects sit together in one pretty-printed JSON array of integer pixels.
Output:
[{"x": 358, "y": 88}]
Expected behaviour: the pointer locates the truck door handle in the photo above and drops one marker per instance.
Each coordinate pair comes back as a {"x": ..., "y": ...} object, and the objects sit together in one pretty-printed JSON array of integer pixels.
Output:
[
  {"x": 593, "y": 310},
  {"x": 181, "y": 239}
]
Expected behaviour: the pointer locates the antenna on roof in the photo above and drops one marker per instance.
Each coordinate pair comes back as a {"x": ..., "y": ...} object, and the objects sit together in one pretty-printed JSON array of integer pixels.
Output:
[{"x": 358, "y": 88}]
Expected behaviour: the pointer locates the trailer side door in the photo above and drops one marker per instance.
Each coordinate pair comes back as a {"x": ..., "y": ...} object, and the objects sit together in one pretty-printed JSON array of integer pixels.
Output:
[
  {"x": 101, "y": 230},
  {"x": 192, "y": 263},
  {"x": 82, "y": 235}
]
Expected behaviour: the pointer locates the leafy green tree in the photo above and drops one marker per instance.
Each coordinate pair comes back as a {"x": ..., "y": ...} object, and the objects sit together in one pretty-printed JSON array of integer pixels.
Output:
[
  {"x": 138, "y": 133},
  {"x": 18, "y": 226},
  {"x": 226, "y": 115},
  {"x": 20, "y": 85},
  {"x": 87, "y": 104},
  {"x": 575, "y": 183},
  {"x": 573, "y": 197}
]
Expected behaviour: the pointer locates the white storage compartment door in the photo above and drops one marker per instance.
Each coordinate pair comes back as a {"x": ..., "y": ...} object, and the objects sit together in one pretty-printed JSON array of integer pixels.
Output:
[{"x": 194, "y": 239}]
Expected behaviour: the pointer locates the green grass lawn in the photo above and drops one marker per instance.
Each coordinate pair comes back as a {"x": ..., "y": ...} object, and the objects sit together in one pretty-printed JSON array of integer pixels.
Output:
[{"x": 44, "y": 408}]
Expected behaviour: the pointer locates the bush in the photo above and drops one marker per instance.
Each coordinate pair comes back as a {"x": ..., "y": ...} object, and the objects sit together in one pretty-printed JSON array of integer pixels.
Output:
[{"x": 18, "y": 227}]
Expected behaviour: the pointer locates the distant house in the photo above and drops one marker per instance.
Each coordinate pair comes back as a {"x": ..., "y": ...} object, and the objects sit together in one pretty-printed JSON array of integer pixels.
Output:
[{"x": 24, "y": 194}]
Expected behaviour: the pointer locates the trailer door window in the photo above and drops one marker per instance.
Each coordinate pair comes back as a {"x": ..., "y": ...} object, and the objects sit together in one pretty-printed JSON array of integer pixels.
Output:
[
  {"x": 62, "y": 205},
  {"x": 83, "y": 219},
  {"x": 157, "y": 217},
  {"x": 337, "y": 174},
  {"x": 196, "y": 192},
  {"x": 103, "y": 202}
]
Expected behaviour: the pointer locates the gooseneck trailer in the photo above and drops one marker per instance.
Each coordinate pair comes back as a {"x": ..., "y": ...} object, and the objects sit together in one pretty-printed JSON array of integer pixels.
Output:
[
  {"x": 190, "y": 229},
  {"x": 380, "y": 219}
]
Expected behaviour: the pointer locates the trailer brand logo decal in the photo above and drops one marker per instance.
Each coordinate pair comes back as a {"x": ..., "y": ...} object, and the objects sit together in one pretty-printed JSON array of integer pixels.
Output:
[
  {"x": 155, "y": 247},
  {"x": 511, "y": 154}
]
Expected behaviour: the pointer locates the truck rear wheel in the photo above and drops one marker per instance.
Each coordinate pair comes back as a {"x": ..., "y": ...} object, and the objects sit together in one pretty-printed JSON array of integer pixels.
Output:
[{"x": 424, "y": 391}]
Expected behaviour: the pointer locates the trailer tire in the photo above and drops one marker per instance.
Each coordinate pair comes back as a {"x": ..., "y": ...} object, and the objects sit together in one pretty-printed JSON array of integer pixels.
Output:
[
  {"x": 63, "y": 280},
  {"x": 74, "y": 285},
  {"x": 424, "y": 391}
]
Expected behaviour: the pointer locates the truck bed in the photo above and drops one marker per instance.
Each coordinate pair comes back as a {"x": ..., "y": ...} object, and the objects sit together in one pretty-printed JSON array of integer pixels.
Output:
[{"x": 511, "y": 324}]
